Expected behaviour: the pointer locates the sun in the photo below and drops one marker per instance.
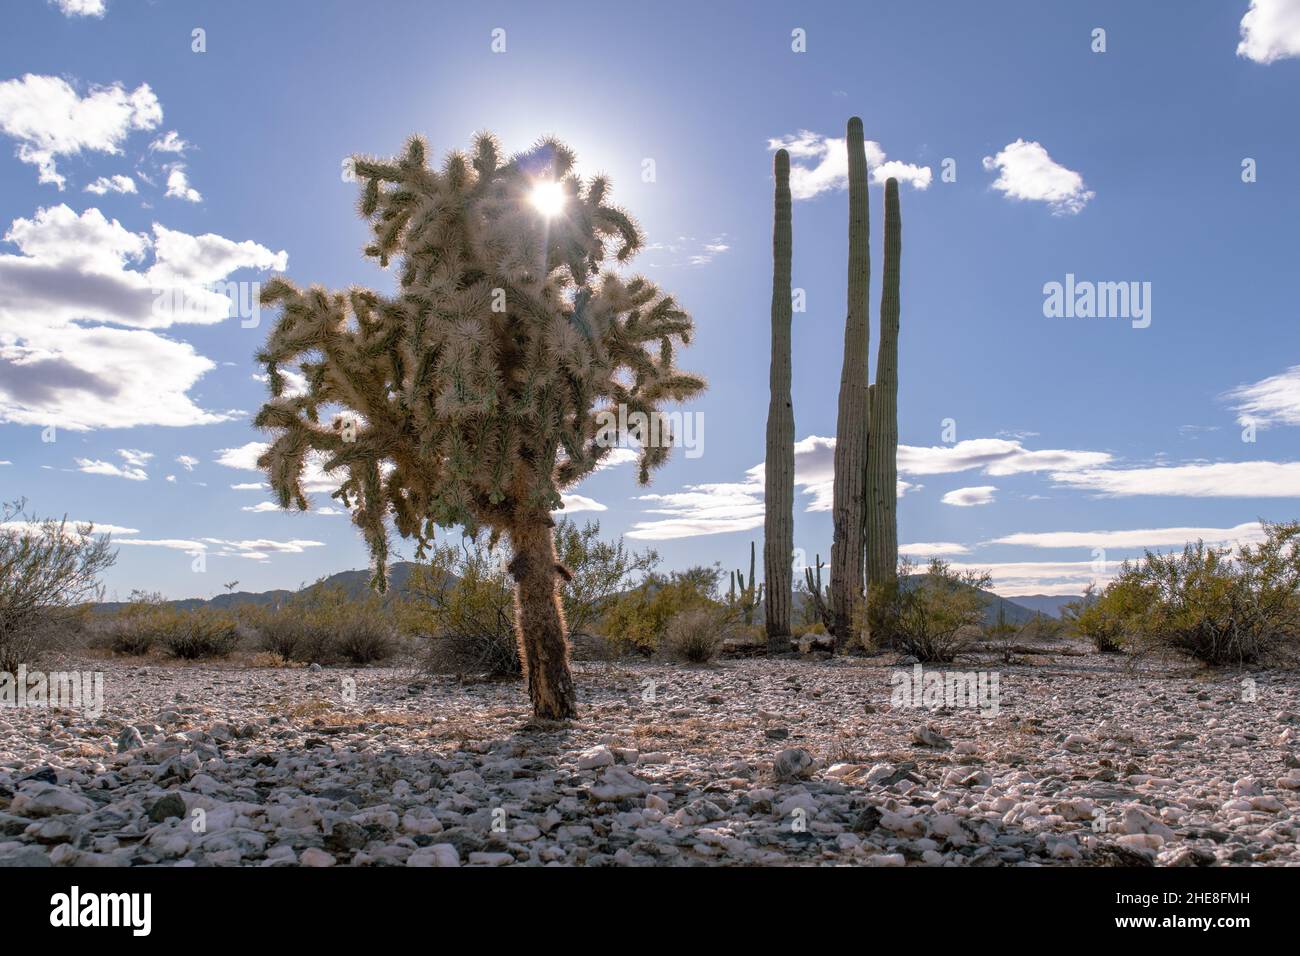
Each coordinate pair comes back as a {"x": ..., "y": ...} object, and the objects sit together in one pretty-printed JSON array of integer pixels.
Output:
[{"x": 548, "y": 197}]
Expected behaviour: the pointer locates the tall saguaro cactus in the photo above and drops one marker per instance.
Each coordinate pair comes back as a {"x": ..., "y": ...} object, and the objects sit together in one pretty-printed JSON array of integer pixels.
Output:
[
  {"x": 778, "y": 494},
  {"x": 847, "y": 511},
  {"x": 478, "y": 391},
  {"x": 882, "y": 457}
]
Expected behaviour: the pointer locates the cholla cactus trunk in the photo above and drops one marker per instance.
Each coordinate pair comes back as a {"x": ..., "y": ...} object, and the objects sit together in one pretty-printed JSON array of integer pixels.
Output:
[
  {"x": 778, "y": 495},
  {"x": 847, "y": 510},
  {"x": 882, "y": 506},
  {"x": 539, "y": 620},
  {"x": 486, "y": 385}
]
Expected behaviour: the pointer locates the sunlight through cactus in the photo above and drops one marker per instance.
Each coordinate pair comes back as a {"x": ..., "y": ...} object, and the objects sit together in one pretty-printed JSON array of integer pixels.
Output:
[{"x": 473, "y": 396}]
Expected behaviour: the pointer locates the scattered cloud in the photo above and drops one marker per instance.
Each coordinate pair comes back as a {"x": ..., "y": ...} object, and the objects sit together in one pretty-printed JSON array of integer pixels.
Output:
[
  {"x": 257, "y": 549},
  {"x": 251, "y": 486},
  {"x": 574, "y": 503},
  {"x": 686, "y": 251},
  {"x": 1270, "y": 401},
  {"x": 970, "y": 497},
  {"x": 132, "y": 470},
  {"x": 314, "y": 480},
  {"x": 187, "y": 462},
  {"x": 1270, "y": 30},
  {"x": 49, "y": 119},
  {"x": 178, "y": 185},
  {"x": 80, "y": 8},
  {"x": 111, "y": 184},
  {"x": 820, "y": 164},
  {"x": 996, "y": 456},
  {"x": 1249, "y": 533},
  {"x": 77, "y": 307},
  {"x": 924, "y": 549},
  {"x": 1239, "y": 479},
  {"x": 1043, "y": 577},
  {"x": 1026, "y": 171},
  {"x": 170, "y": 142}
]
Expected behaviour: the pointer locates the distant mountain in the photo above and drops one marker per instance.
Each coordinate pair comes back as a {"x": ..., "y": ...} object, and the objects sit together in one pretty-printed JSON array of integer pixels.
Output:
[
  {"x": 1049, "y": 604},
  {"x": 1014, "y": 612},
  {"x": 354, "y": 583}
]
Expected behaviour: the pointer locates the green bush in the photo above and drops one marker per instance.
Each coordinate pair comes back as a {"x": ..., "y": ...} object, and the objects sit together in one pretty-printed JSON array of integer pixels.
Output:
[
  {"x": 1104, "y": 622},
  {"x": 637, "y": 620},
  {"x": 324, "y": 625},
  {"x": 1206, "y": 602},
  {"x": 930, "y": 616}
]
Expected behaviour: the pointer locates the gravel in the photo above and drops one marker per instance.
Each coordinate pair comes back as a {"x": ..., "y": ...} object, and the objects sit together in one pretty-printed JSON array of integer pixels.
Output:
[{"x": 1090, "y": 760}]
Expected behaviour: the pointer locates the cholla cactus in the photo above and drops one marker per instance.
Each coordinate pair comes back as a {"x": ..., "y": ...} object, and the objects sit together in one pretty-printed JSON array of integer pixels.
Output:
[{"x": 485, "y": 386}]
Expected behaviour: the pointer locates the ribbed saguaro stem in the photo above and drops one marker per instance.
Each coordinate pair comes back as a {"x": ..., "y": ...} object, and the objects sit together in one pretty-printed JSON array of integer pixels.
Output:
[
  {"x": 882, "y": 505},
  {"x": 778, "y": 494},
  {"x": 851, "y": 427}
]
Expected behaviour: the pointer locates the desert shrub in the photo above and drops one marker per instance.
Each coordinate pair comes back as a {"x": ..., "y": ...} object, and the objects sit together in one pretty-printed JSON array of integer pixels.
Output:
[
  {"x": 197, "y": 634},
  {"x": 598, "y": 571},
  {"x": 930, "y": 616},
  {"x": 1103, "y": 622},
  {"x": 695, "y": 635},
  {"x": 49, "y": 571},
  {"x": 460, "y": 603},
  {"x": 282, "y": 631},
  {"x": 637, "y": 620},
  {"x": 134, "y": 630},
  {"x": 1210, "y": 604},
  {"x": 325, "y": 625}
]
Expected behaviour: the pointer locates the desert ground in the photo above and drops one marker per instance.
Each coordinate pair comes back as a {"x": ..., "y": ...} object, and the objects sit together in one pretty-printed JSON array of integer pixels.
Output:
[{"x": 1091, "y": 760}]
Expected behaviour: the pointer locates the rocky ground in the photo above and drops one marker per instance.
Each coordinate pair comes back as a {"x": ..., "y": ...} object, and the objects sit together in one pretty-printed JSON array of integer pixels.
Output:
[{"x": 1089, "y": 761}]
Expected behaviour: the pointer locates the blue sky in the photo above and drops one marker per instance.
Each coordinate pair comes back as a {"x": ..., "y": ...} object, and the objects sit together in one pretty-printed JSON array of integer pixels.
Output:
[{"x": 1072, "y": 439}]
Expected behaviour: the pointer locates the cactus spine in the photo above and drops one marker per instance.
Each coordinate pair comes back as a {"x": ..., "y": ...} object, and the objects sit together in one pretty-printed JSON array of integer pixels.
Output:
[
  {"x": 847, "y": 548},
  {"x": 778, "y": 497},
  {"x": 882, "y": 495}
]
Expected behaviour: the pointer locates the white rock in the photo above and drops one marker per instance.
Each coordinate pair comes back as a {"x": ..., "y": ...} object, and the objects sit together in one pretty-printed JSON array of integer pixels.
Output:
[
  {"x": 595, "y": 757},
  {"x": 440, "y": 854},
  {"x": 316, "y": 858}
]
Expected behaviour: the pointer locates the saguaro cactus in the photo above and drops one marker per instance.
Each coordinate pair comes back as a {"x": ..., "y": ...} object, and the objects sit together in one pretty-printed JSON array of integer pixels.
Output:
[
  {"x": 750, "y": 595},
  {"x": 882, "y": 456},
  {"x": 847, "y": 510},
  {"x": 778, "y": 495}
]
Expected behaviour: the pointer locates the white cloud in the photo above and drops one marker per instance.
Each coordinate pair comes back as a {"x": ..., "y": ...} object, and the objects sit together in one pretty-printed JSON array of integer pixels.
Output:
[
  {"x": 821, "y": 163},
  {"x": 686, "y": 251},
  {"x": 251, "y": 486},
  {"x": 295, "y": 383},
  {"x": 63, "y": 358},
  {"x": 258, "y": 549},
  {"x": 1026, "y": 171},
  {"x": 262, "y": 506},
  {"x": 48, "y": 118},
  {"x": 1043, "y": 577},
  {"x": 1238, "y": 479},
  {"x": 187, "y": 462},
  {"x": 1249, "y": 533},
  {"x": 80, "y": 8},
  {"x": 134, "y": 457},
  {"x": 738, "y": 506},
  {"x": 178, "y": 185},
  {"x": 996, "y": 456},
  {"x": 1270, "y": 30},
  {"x": 1270, "y": 401},
  {"x": 94, "y": 466},
  {"x": 924, "y": 549},
  {"x": 314, "y": 480},
  {"x": 970, "y": 497},
  {"x": 97, "y": 527},
  {"x": 111, "y": 184},
  {"x": 574, "y": 503},
  {"x": 171, "y": 142}
]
